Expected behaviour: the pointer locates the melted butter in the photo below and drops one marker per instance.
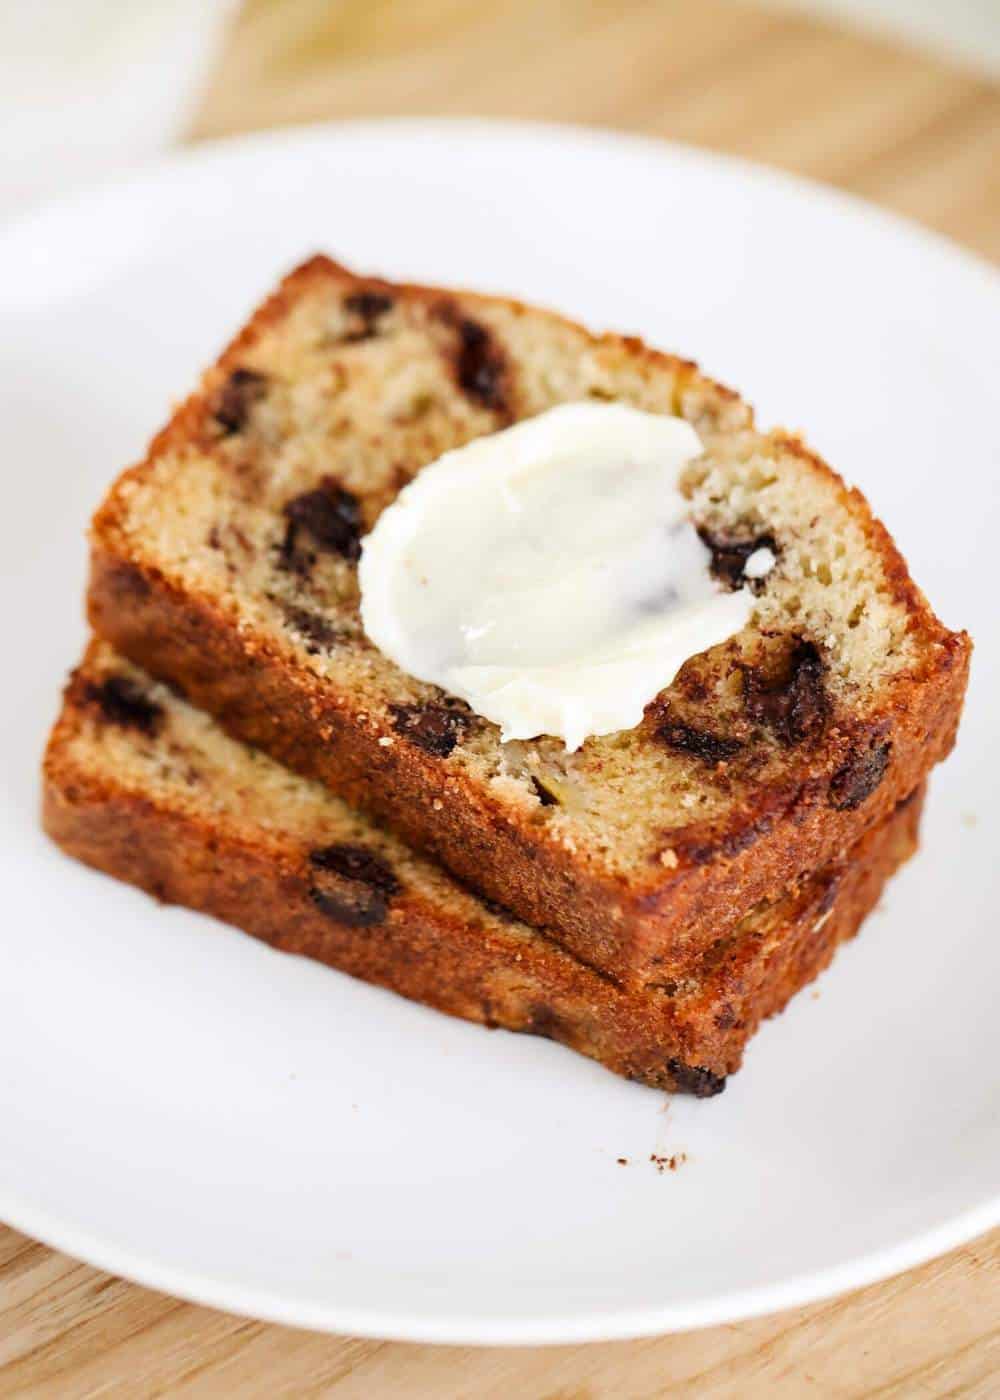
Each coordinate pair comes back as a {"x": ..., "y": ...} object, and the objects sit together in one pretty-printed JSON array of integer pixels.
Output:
[{"x": 549, "y": 574}]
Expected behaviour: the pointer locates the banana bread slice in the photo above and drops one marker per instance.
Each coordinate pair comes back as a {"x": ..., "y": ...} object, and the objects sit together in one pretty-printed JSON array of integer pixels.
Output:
[
  {"x": 148, "y": 789},
  {"x": 226, "y": 563}
]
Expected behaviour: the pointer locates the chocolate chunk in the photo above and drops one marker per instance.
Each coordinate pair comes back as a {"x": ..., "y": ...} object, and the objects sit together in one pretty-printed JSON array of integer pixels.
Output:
[
  {"x": 729, "y": 557},
  {"x": 330, "y": 517},
  {"x": 366, "y": 307},
  {"x": 793, "y": 702},
  {"x": 356, "y": 863},
  {"x": 241, "y": 391},
  {"x": 859, "y": 777},
  {"x": 546, "y": 798},
  {"x": 695, "y": 1079},
  {"x": 713, "y": 748},
  {"x": 434, "y": 728},
  {"x": 361, "y": 886},
  {"x": 727, "y": 845},
  {"x": 354, "y": 905},
  {"x": 121, "y": 701},
  {"x": 481, "y": 367},
  {"x": 319, "y": 633}
]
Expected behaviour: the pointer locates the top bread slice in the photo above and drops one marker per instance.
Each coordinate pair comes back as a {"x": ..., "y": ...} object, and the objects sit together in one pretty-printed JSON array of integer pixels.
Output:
[{"x": 225, "y": 563}]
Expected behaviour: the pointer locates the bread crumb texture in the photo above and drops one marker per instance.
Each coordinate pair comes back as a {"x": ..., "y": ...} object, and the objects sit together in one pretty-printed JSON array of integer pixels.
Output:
[{"x": 257, "y": 495}]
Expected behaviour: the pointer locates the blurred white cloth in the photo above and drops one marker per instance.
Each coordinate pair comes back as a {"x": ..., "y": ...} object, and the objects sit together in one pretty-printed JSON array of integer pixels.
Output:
[{"x": 89, "y": 87}]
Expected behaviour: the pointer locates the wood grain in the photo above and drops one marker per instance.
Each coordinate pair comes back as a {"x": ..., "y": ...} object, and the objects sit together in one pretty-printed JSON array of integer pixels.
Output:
[
  {"x": 895, "y": 125},
  {"x": 69, "y": 1331},
  {"x": 915, "y": 134}
]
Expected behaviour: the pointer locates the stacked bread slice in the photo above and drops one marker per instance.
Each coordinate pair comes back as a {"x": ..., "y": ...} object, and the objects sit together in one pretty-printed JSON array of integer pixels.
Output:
[{"x": 648, "y": 899}]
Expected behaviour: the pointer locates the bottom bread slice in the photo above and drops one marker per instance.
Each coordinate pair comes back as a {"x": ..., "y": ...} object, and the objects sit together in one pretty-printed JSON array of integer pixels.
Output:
[{"x": 141, "y": 785}]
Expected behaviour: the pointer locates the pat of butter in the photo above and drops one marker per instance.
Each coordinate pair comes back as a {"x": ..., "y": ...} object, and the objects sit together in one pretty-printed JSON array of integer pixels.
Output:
[{"x": 549, "y": 574}]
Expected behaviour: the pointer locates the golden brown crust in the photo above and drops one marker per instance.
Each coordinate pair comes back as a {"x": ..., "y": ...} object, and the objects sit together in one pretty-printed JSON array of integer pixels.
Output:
[
  {"x": 654, "y": 929},
  {"x": 686, "y": 1037},
  {"x": 647, "y": 928}
]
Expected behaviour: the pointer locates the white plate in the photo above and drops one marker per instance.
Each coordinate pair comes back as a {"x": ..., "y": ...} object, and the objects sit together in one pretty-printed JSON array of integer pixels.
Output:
[{"x": 187, "y": 1108}]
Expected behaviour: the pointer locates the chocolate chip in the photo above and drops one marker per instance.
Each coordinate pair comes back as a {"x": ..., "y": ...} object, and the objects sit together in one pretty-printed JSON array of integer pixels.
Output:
[
  {"x": 712, "y": 748},
  {"x": 356, "y": 863},
  {"x": 695, "y": 1079},
  {"x": 320, "y": 634},
  {"x": 729, "y": 556},
  {"x": 366, "y": 307},
  {"x": 241, "y": 391},
  {"x": 434, "y": 728},
  {"x": 355, "y": 906},
  {"x": 859, "y": 777},
  {"x": 546, "y": 798},
  {"x": 330, "y": 517},
  {"x": 361, "y": 886},
  {"x": 792, "y": 702},
  {"x": 121, "y": 701},
  {"x": 480, "y": 365},
  {"x": 726, "y": 845}
]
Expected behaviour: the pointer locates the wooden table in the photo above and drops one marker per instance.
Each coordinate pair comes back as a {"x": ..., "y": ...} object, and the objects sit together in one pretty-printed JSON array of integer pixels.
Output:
[{"x": 899, "y": 127}]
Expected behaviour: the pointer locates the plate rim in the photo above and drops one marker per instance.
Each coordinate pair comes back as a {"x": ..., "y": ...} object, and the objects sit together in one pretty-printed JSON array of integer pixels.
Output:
[
  {"x": 799, "y": 1290},
  {"x": 60, "y": 1233}
]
